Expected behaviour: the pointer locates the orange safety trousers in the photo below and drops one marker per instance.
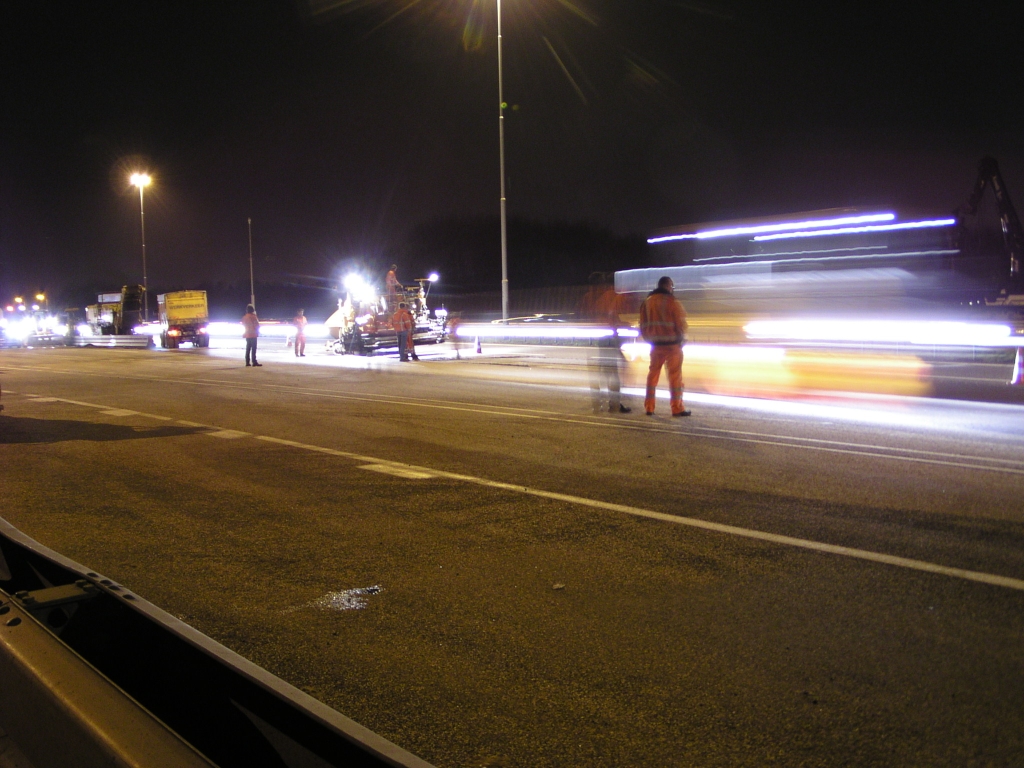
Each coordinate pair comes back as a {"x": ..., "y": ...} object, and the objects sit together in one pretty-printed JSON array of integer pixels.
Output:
[{"x": 671, "y": 357}]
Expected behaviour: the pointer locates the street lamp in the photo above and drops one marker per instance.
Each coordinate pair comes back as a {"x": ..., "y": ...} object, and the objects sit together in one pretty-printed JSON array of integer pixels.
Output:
[
  {"x": 501, "y": 150},
  {"x": 141, "y": 180},
  {"x": 252, "y": 285}
]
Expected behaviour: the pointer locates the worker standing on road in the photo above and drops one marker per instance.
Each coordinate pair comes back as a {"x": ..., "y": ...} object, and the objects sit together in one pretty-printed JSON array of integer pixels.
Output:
[
  {"x": 601, "y": 305},
  {"x": 394, "y": 288},
  {"x": 403, "y": 324},
  {"x": 251, "y": 324},
  {"x": 663, "y": 326},
  {"x": 300, "y": 323}
]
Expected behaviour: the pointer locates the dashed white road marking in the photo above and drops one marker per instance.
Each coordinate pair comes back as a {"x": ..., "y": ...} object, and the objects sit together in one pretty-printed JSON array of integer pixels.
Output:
[
  {"x": 415, "y": 472},
  {"x": 227, "y": 434},
  {"x": 120, "y": 412},
  {"x": 865, "y": 450},
  {"x": 408, "y": 474}
]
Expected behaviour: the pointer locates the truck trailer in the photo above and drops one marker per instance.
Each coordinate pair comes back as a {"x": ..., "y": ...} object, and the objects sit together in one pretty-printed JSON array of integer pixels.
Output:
[{"x": 184, "y": 316}]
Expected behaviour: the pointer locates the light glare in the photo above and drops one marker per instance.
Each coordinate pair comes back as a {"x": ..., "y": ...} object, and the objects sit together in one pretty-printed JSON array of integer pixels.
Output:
[{"x": 781, "y": 226}]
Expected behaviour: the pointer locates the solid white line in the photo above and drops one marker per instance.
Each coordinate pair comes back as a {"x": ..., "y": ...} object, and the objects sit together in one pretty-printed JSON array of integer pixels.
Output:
[
  {"x": 732, "y": 530},
  {"x": 408, "y": 474}
]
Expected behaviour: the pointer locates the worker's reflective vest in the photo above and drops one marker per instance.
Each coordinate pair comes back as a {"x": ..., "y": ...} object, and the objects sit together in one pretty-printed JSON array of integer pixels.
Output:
[
  {"x": 662, "y": 319},
  {"x": 401, "y": 321},
  {"x": 251, "y": 324}
]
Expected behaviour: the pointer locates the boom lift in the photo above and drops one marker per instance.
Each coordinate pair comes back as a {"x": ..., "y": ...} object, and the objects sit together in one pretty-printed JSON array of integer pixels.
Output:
[{"x": 1013, "y": 234}]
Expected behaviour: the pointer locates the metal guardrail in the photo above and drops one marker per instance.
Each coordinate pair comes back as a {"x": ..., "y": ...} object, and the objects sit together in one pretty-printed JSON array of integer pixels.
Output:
[
  {"x": 91, "y": 674},
  {"x": 130, "y": 340}
]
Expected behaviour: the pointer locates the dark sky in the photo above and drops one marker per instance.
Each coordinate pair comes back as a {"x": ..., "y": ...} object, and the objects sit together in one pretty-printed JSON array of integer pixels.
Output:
[{"x": 339, "y": 124}]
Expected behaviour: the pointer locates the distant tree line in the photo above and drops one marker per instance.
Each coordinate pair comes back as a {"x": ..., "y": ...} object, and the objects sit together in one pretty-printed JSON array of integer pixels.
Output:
[{"x": 467, "y": 252}]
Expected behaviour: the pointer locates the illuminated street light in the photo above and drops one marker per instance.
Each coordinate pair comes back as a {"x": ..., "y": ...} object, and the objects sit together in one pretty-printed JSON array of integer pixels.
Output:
[
  {"x": 142, "y": 180},
  {"x": 18, "y": 300},
  {"x": 501, "y": 150},
  {"x": 252, "y": 285}
]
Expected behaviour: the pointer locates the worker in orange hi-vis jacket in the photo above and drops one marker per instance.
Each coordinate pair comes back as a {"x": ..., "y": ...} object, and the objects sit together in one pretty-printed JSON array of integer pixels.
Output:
[
  {"x": 393, "y": 287},
  {"x": 251, "y": 326},
  {"x": 403, "y": 323},
  {"x": 663, "y": 326},
  {"x": 300, "y": 322}
]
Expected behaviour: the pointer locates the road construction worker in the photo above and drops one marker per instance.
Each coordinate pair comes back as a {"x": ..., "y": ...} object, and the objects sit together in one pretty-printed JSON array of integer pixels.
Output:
[
  {"x": 251, "y": 333},
  {"x": 300, "y": 323},
  {"x": 393, "y": 287},
  {"x": 403, "y": 324},
  {"x": 605, "y": 361},
  {"x": 663, "y": 326}
]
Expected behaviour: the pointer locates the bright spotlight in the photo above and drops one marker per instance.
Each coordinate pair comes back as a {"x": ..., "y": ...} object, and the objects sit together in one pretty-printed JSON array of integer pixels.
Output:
[
  {"x": 433, "y": 277},
  {"x": 140, "y": 179}
]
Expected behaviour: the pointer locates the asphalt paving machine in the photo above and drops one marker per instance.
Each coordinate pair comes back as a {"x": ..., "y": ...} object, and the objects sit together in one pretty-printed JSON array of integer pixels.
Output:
[{"x": 362, "y": 324}]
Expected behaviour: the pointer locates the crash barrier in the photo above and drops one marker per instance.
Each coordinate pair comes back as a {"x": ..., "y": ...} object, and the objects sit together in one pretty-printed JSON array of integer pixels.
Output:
[
  {"x": 131, "y": 340},
  {"x": 91, "y": 674}
]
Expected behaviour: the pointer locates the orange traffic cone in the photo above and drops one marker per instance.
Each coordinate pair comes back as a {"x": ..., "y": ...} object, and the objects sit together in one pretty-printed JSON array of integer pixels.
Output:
[{"x": 1018, "y": 368}]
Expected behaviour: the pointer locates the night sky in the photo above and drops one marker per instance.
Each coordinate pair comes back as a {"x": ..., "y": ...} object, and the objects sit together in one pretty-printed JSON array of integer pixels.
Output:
[{"x": 339, "y": 126}]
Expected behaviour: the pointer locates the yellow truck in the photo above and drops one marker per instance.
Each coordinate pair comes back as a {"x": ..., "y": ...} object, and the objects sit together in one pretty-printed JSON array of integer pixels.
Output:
[{"x": 184, "y": 316}]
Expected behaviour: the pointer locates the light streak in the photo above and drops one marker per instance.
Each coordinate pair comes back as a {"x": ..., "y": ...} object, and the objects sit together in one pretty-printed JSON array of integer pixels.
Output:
[
  {"x": 856, "y": 230},
  {"x": 545, "y": 331},
  {"x": 794, "y": 253},
  {"x": 930, "y": 332},
  {"x": 854, "y": 256},
  {"x": 270, "y": 330},
  {"x": 781, "y": 226}
]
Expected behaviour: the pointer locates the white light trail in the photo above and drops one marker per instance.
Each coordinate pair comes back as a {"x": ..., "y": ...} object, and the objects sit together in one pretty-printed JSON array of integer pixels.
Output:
[
  {"x": 931, "y": 332},
  {"x": 856, "y": 230},
  {"x": 781, "y": 226}
]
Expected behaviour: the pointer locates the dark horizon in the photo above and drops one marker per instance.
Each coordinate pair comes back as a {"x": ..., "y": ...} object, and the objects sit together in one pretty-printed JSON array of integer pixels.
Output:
[{"x": 343, "y": 128}]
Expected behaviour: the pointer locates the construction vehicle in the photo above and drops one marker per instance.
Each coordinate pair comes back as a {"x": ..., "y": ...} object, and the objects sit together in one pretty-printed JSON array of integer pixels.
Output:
[
  {"x": 184, "y": 316},
  {"x": 1013, "y": 234},
  {"x": 116, "y": 314},
  {"x": 362, "y": 323}
]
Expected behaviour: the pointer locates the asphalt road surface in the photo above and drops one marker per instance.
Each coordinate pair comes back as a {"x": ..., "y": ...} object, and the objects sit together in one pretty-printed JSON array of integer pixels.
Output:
[{"x": 464, "y": 557}]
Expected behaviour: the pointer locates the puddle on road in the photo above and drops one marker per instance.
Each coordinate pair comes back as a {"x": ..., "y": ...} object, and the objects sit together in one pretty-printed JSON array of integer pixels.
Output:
[{"x": 346, "y": 600}]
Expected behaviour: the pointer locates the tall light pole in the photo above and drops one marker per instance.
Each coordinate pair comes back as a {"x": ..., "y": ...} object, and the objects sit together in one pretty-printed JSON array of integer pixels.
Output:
[
  {"x": 252, "y": 285},
  {"x": 501, "y": 151},
  {"x": 142, "y": 180}
]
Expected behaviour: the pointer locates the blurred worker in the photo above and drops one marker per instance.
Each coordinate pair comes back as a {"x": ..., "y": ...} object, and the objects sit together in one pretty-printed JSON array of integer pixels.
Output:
[
  {"x": 601, "y": 305},
  {"x": 300, "y": 323},
  {"x": 454, "y": 321},
  {"x": 251, "y": 324},
  {"x": 663, "y": 326},
  {"x": 403, "y": 324},
  {"x": 394, "y": 288}
]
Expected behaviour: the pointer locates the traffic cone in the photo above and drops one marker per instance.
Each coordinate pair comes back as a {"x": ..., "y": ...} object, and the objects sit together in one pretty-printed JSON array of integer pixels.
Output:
[
  {"x": 480, "y": 351},
  {"x": 1018, "y": 368}
]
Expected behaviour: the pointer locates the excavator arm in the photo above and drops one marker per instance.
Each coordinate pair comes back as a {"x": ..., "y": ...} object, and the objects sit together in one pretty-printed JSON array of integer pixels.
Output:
[{"x": 1013, "y": 234}]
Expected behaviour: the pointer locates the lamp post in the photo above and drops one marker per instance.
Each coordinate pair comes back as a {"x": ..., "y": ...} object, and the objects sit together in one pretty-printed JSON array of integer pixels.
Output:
[
  {"x": 141, "y": 180},
  {"x": 501, "y": 151},
  {"x": 252, "y": 285}
]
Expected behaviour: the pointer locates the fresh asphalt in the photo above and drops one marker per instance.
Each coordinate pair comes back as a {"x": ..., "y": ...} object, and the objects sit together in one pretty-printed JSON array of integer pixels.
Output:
[{"x": 464, "y": 557}]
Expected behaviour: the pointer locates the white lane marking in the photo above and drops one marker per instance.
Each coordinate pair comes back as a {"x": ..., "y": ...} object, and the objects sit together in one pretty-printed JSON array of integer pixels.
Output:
[
  {"x": 120, "y": 412},
  {"x": 958, "y": 461},
  {"x": 41, "y": 399},
  {"x": 227, "y": 434},
  {"x": 408, "y": 474},
  {"x": 732, "y": 530},
  {"x": 192, "y": 423}
]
